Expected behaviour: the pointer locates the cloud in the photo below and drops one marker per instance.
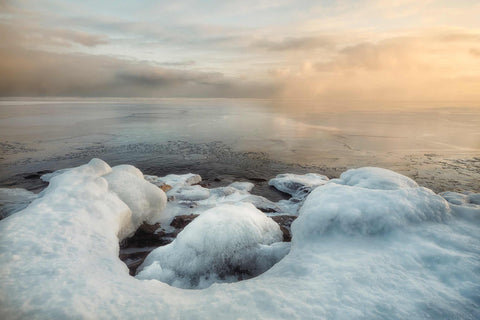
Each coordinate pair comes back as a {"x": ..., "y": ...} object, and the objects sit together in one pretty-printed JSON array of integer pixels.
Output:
[
  {"x": 415, "y": 67},
  {"x": 41, "y": 37},
  {"x": 475, "y": 52},
  {"x": 36, "y": 73},
  {"x": 294, "y": 43}
]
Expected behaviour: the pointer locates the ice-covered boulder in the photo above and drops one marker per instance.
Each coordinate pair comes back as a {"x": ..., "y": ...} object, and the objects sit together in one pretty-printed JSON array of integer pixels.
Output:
[
  {"x": 221, "y": 245},
  {"x": 347, "y": 210},
  {"x": 375, "y": 178},
  {"x": 291, "y": 183},
  {"x": 145, "y": 200}
]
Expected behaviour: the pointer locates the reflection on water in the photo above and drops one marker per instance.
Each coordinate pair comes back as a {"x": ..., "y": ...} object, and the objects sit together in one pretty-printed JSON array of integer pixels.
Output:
[{"x": 39, "y": 129}]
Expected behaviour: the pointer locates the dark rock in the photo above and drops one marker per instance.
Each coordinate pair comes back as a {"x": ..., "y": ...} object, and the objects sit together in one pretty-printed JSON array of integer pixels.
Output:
[
  {"x": 148, "y": 236},
  {"x": 165, "y": 187},
  {"x": 180, "y": 222},
  {"x": 285, "y": 222},
  {"x": 36, "y": 175}
]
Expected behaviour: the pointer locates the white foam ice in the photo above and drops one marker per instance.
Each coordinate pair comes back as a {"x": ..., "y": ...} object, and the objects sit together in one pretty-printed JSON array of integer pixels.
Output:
[{"x": 370, "y": 245}]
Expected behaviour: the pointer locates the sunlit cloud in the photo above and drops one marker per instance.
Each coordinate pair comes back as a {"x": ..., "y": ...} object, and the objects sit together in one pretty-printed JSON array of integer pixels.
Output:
[{"x": 323, "y": 50}]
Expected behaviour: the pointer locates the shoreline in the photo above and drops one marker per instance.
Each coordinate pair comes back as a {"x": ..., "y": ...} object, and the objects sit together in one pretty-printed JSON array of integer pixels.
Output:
[{"x": 219, "y": 164}]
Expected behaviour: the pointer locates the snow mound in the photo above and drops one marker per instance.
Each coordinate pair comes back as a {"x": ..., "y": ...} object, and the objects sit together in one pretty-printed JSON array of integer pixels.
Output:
[
  {"x": 13, "y": 200},
  {"x": 348, "y": 210},
  {"x": 145, "y": 200},
  {"x": 224, "y": 244},
  {"x": 375, "y": 178},
  {"x": 291, "y": 183}
]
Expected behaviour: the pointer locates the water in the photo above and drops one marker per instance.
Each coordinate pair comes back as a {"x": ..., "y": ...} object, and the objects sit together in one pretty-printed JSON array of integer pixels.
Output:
[{"x": 233, "y": 139}]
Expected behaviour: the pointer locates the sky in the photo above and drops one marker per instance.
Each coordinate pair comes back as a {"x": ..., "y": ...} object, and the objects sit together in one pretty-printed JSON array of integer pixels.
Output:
[{"x": 314, "y": 50}]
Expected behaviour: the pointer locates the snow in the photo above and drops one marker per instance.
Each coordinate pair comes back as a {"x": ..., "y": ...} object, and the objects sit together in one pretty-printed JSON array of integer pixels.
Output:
[
  {"x": 48, "y": 176},
  {"x": 370, "y": 245},
  {"x": 375, "y": 178},
  {"x": 346, "y": 210},
  {"x": 221, "y": 245},
  {"x": 145, "y": 200},
  {"x": 13, "y": 200},
  {"x": 466, "y": 205},
  {"x": 175, "y": 180}
]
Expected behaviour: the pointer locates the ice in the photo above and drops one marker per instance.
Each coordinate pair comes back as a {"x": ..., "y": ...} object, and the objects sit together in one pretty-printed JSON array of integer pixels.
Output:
[
  {"x": 48, "y": 176},
  {"x": 375, "y": 178},
  {"x": 291, "y": 183},
  {"x": 347, "y": 210},
  {"x": 175, "y": 180},
  {"x": 13, "y": 200},
  {"x": 186, "y": 197},
  {"x": 466, "y": 199},
  {"x": 466, "y": 205},
  {"x": 145, "y": 200},
  {"x": 190, "y": 193},
  {"x": 298, "y": 186},
  {"x": 244, "y": 186},
  {"x": 370, "y": 245},
  {"x": 223, "y": 244}
]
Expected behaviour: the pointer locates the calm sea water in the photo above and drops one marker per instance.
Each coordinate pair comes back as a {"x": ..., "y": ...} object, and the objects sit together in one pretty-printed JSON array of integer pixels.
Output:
[{"x": 233, "y": 139}]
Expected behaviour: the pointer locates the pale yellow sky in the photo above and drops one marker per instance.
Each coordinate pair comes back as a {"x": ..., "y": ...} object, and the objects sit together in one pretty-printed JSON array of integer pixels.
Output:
[{"x": 317, "y": 50}]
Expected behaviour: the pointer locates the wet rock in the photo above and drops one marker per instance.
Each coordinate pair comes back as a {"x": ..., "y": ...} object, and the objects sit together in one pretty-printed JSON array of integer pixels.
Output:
[
  {"x": 180, "y": 222},
  {"x": 165, "y": 187},
  {"x": 148, "y": 235},
  {"x": 285, "y": 222}
]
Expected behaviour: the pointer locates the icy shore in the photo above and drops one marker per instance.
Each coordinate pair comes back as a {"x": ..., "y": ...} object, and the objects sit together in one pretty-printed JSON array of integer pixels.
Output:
[{"x": 371, "y": 244}]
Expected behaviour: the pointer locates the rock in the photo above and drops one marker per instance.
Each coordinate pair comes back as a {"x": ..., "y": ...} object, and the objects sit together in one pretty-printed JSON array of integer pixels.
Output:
[
  {"x": 180, "y": 222},
  {"x": 148, "y": 235},
  {"x": 285, "y": 222},
  {"x": 165, "y": 187}
]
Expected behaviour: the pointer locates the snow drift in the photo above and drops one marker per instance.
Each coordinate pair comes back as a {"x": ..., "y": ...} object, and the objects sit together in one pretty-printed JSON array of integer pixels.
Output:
[{"x": 369, "y": 245}]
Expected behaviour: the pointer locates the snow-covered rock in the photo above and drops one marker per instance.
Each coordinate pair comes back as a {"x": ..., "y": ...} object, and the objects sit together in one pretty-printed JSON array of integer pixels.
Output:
[{"x": 221, "y": 245}]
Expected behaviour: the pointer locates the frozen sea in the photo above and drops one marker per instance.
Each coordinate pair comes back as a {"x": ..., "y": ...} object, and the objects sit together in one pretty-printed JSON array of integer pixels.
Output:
[
  {"x": 225, "y": 140},
  {"x": 366, "y": 243}
]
